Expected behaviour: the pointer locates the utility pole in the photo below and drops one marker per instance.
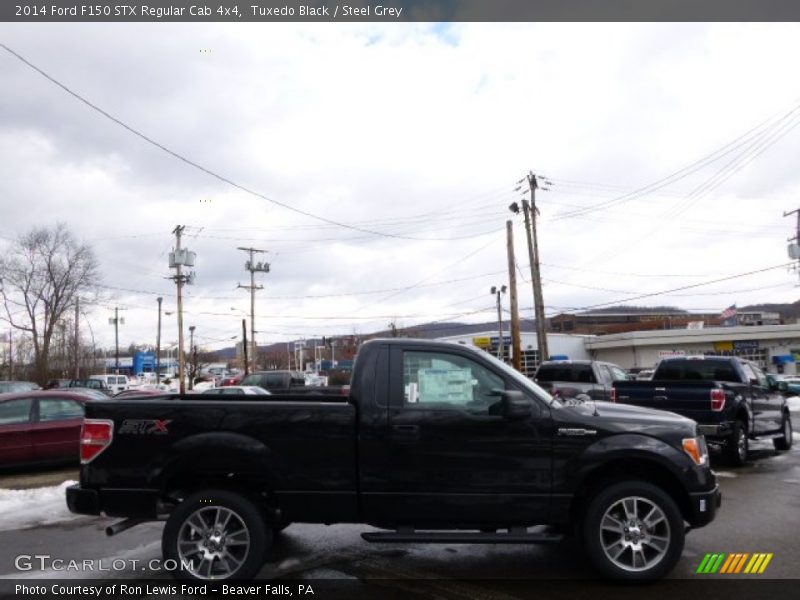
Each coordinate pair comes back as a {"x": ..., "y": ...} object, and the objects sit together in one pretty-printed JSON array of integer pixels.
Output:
[
  {"x": 794, "y": 249},
  {"x": 254, "y": 268},
  {"x": 495, "y": 291},
  {"x": 116, "y": 340},
  {"x": 193, "y": 354},
  {"x": 77, "y": 340},
  {"x": 516, "y": 343},
  {"x": 531, "y": 211},
  {"x": 116, "y": 321},
  {"x": 158, "y": 343},
  {"x": 244, "y": 346},
  {"x": 179, "y": 258},
  {"x": 10, "y": 354}
]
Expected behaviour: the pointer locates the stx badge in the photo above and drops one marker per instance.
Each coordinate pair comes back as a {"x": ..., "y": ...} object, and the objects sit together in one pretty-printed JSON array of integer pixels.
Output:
[{"x": 145, "y": 426}]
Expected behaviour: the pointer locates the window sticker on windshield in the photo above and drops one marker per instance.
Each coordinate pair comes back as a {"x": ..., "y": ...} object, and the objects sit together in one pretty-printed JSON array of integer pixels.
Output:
[{"x": 444, "y": 385}]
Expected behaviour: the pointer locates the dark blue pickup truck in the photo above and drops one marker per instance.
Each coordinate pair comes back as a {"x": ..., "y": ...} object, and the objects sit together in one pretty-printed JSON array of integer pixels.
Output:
[{"x": 731, "y": 399}]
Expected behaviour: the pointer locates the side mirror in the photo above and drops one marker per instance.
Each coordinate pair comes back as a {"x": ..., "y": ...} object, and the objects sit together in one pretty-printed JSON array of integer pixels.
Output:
[{"x": 515, "y": 405}]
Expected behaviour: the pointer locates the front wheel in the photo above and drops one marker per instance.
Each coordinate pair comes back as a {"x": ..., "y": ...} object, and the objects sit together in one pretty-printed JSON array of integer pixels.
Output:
[
  {"x": 633, "y": 531},
  {"x": 784, "y": 442},
  {"x": 216, "y": 534}
]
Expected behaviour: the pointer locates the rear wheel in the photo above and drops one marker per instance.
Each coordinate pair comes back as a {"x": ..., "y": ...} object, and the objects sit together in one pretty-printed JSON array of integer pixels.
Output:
[
  {"x": 785, "y": 441},
  {"x": 216, "y": 534},
  {"x": 738, "y": 446},
  {"x": 633, "y": 531}
]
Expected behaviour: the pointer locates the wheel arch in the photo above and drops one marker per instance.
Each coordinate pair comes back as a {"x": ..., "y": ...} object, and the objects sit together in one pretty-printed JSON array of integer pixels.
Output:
[{"x": 629, "y": 469}]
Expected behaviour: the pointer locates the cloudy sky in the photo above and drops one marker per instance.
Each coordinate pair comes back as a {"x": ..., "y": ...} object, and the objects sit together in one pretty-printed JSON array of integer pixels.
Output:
[{"x": 671, "y": 150}]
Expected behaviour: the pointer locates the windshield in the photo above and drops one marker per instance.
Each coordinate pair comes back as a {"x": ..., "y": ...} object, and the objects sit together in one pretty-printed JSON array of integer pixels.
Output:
[{"x": 523, "y": 381}]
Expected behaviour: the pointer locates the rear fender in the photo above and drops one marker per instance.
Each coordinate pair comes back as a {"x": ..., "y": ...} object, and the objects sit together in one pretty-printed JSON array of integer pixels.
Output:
[{"x": 215, "y": 456}]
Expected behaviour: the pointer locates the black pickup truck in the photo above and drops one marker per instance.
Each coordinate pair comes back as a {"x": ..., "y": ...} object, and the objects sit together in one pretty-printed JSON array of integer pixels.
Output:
[
  {"x": 732, "y": 400},
  {"x": 436, "y": 442}
]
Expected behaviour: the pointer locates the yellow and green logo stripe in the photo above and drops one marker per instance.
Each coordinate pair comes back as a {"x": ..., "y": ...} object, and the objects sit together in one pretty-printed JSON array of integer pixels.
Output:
[{"x": 735, "y": 562}]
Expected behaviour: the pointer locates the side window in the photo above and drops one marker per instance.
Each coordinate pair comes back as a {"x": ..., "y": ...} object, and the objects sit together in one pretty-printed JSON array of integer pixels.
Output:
[
  {"x": 762, "y": 379},
  {"x": 57, "y": 409},
  {"x": 748, "y": 372},
  {"x": 618, "y": 374},
  {"x": 15, "y": 412},
  {"x": 448, "y": 381},
  {"x": 605, "y": 374}
]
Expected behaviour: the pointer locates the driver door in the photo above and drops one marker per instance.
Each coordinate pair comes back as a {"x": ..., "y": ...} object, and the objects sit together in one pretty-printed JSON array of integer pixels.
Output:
[{"x": 453, "y": 457}]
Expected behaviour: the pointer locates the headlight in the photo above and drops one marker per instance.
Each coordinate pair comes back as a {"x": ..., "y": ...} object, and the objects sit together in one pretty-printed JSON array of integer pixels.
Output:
[{"x": 696, "y": 449}]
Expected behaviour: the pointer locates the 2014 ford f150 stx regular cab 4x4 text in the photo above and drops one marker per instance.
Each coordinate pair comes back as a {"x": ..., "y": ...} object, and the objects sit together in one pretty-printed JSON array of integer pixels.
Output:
[{"x": 436, "y": 442}]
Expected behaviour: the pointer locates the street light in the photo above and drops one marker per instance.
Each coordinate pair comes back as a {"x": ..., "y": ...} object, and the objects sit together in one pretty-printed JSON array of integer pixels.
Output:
[{"x": 495, "y": 291}]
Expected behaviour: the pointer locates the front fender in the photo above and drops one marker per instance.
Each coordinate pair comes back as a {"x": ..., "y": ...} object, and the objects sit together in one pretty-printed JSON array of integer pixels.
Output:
[{"x": 642, "y": 449}]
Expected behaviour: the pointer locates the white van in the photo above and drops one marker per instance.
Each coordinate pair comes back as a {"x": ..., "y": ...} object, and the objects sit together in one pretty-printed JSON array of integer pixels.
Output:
[{"x": 116, "y": 383}]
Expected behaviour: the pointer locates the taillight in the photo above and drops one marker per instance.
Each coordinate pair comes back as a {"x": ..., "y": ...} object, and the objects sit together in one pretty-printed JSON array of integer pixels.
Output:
[
  {"x": 717, "y": 400},
  {"x": 96, "y": 436},
  {"x": 613, "y": 396}
]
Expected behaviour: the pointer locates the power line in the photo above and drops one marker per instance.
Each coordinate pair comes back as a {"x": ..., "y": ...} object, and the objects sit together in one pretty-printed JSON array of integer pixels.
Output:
[
  {"x": 684, "y": 287},
  {"x": 196, "y": 165}
]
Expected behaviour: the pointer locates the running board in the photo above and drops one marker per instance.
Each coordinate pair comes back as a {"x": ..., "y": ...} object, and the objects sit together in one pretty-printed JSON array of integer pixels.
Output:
[{"x": 513, "y": 536}]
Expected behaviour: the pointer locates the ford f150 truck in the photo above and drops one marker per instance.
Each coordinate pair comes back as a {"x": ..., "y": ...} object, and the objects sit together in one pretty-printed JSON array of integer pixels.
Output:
[
  {"x": 436, "y": 442},
  {"x": 731, "y": 399},
  {"x": 569, "y": 378}
]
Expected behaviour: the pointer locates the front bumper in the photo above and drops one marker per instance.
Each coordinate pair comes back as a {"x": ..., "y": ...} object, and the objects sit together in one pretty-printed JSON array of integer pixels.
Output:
[
  {"x": 141, "y": 503},
  {"x": 703, "y": 506}
]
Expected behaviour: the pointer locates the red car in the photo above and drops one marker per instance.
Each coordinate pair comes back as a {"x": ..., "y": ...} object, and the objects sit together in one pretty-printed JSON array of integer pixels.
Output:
[
  {"x": 40, "y": 427},
  {"x": 235, "y": 380}
]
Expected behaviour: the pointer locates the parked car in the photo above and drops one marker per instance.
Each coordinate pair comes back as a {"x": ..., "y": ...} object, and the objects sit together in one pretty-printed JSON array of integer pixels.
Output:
[
  {"x": 569, "y": 378},
  {"x": 276, "y": 381},
  {"x": 18, "y": 386},
  {"x": 236, "y": 390},
  {"x": 231, "y": 380},
  {"x": 731, "y": 398},
  {"x": 790, "y": 386},
  {"x": 140, "y": 393},
  {"x": 115, "y": 383},
  {"x": 437, "y": 442},
  {"x": 41, "y": 426},
  {"x": 92, "y": 384},
  {"x": 57, "y": 383},
  {"x": 644, "y": 375},
  {"x": 93, "y": 393}
]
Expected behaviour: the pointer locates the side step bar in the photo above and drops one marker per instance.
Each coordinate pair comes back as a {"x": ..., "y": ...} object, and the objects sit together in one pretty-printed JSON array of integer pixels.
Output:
[{"x": 514, "y": 536}]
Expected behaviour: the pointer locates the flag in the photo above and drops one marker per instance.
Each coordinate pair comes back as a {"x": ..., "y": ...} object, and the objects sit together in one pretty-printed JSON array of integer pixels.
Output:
[{"x": 728, "y": 316}]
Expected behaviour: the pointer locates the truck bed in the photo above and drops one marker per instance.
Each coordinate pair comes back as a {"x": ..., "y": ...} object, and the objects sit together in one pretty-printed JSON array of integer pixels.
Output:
[{"x": 304, "y": 444}]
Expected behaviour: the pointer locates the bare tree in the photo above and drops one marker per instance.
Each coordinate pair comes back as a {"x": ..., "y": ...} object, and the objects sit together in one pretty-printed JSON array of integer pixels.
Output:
[{"x": 41, "y": 277}]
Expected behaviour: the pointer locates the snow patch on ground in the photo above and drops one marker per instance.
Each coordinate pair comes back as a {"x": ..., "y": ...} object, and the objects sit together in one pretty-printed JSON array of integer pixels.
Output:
[
  {"x": 22, "y": 509},
  {"x": 793, "y": 402}
]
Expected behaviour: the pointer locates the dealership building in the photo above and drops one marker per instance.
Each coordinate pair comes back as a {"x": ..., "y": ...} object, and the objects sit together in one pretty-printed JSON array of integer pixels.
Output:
[{"x": 775, "y": 348}]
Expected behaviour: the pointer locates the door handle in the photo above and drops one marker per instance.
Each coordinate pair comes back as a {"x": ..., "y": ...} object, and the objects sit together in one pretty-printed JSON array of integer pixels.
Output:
[{"x": 405, "y": 433}]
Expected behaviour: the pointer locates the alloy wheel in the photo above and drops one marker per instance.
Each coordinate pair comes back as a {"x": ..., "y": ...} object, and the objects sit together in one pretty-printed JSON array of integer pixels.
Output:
[
  {"x": 635, "y": 534},
  {"x": 213, "y": 543}
]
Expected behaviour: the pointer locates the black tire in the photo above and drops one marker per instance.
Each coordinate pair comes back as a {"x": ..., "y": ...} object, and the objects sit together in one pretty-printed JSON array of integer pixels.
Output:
[
  {"x": 238, "y": 553},
  {"x": 784, "y": 442},
  {"x": 662, "y": 534},
  {"x": 737, "y": 449}
]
